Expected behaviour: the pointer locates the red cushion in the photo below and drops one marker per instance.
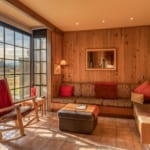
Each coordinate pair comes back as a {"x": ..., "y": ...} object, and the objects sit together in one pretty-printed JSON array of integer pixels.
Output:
[
  {"x": 144, "y": 89},
  {"x": 107, "y": 90},
  {"x": 140, "y": 88},
  {"x": 66, "y": 90},
  {"x": 5, "y": 96}
]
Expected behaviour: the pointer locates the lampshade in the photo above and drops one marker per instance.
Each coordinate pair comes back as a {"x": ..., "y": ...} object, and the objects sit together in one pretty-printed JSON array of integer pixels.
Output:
[{"x": 63, "y": 62}]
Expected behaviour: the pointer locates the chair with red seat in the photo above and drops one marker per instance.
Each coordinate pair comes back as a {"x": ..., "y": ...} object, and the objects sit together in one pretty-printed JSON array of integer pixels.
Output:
[{"x": 10, "y": 112}]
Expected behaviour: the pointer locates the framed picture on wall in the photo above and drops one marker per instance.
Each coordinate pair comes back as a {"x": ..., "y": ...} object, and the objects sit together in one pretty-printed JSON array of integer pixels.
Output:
[{"x": 57, "y": 69}]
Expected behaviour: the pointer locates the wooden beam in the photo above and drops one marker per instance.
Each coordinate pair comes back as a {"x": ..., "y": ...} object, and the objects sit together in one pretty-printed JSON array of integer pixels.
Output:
[{"x": 34, "y": 15}]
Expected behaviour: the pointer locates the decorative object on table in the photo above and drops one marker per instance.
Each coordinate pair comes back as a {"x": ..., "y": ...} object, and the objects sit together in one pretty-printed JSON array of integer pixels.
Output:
[{"x": 81, "y": 106}]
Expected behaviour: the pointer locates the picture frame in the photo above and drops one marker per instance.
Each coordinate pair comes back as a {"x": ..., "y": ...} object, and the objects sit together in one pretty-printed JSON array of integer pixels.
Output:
[{"x": 101, "y": 59}]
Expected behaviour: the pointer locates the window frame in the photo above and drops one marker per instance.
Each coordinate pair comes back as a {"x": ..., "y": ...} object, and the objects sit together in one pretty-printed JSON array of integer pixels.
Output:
[
  {"x": 23, "y": 34},
  {"x": 40, "y": 34}
]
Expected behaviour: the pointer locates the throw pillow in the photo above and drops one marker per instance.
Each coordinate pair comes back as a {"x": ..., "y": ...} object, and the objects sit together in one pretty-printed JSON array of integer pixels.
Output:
[
  {"x": 137, "y": 98},
  {"x": 146, "y": 92},
  {"x": 106, "y": 90},
  {"x": 144, "y": 89},
  {"x": 66, "y": 91},
  {"x": 141, "y": 87}
]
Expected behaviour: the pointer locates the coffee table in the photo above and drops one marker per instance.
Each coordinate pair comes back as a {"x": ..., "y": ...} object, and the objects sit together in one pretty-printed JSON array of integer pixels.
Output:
[{"x": 75, "y": 118}]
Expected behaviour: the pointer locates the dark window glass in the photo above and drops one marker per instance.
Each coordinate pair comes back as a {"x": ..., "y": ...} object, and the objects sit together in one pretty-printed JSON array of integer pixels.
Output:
[
  {"x": 36, "y": 43},
  {"x": 12, "y": 94},
  {"x": 18, "y": 53},
  {"x": 26, "y": 67},
  {"x": 26, "y": 41},
  {"x": 18, "y": 81},
  {"x": 9, "y": 36},
  {"x": 18, "y": 94},
  {"x": 18, "y": 39},
  {"x": 9, "y": 66},
  {"x": 43, "y": 79},
  {"x": 1, "y": 50},
  {"x": 43, "y": 43},
  {"x": 1, "y": 34},
  {"x": 43, "y": 55},
  {"x": 37, "y": 67},
  {"x": 37, "y": 79},
  {"x": 43, "y": 67},
  {"x": 26, "y": 80},
  {"x": 19, "y": 67},
  {"x": 10, "y": 79},
  {"x": 9, "y": 52},
  {"x": 26, "y": 54},
  {"x": 1, "y": 66},
  {"x": 37, "y": 55},
  {"x": 43, "y": 90},
  {"x": 26, "y": 92}
]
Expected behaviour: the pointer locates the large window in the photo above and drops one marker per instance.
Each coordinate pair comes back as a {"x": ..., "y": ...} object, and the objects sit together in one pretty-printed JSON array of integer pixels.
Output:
[
  {"x": 40, "y": 62},
  {"x": 15, "y": 60}
]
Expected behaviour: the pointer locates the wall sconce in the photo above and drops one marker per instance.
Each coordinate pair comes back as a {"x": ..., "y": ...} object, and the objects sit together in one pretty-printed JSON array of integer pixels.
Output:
[{"x": 63, "y": 63}]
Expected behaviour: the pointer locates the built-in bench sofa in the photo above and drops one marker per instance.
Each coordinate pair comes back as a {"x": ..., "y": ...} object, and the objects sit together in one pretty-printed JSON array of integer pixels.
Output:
[{"x": 84, "y": 93}]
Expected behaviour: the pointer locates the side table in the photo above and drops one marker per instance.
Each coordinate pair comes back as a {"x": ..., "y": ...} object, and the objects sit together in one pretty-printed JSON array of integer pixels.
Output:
[{"x": 41, "y": 103}]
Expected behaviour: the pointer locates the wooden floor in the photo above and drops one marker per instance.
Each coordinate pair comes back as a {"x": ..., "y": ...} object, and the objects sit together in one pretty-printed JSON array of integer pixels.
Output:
[{"x": 109, "y": 134}]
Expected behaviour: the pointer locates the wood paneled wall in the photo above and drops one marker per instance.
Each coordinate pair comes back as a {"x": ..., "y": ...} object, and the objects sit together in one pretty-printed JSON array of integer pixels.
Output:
[
  {"x": 133, "y": 54},
  {"x": 56, "y": 55}
]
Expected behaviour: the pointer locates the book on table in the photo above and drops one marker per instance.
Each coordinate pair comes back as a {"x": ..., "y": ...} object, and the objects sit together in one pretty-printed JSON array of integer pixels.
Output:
[{"x": 81, "y": 106}]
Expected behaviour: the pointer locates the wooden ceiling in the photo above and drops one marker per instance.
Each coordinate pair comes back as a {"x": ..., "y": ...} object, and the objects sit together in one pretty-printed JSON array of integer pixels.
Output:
[{"x": 72, "y": 15}]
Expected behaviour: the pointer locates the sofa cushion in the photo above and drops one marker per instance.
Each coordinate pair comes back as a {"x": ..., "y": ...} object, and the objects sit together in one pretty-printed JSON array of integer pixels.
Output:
[
  {"x": 106, "y": 90},
  {"x": 64, "y": 100},
  {"x": 137, "y": 98},
  {"x": 89, "y": 100},
  {"x": 66, "y": 90},
  {"x": 123, "y": 90},
  {"x": 87, "y": 90},
  {"x": 117, "y": 103}
]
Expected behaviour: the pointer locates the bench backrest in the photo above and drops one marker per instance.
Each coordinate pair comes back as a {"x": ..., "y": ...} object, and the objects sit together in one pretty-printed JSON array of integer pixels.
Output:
[{"x": 87, "y": 89}]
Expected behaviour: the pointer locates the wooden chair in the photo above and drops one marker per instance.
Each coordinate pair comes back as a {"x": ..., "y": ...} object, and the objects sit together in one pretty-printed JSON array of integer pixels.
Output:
[{"x": 10, "y": 112}]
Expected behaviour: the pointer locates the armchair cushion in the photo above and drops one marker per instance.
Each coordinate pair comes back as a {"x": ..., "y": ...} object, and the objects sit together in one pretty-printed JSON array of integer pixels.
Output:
[{"x": 5, "y": 96}]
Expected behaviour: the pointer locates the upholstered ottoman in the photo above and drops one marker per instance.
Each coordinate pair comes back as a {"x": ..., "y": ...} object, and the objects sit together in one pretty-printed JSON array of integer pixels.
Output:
[{"x": 74, "y": 119}]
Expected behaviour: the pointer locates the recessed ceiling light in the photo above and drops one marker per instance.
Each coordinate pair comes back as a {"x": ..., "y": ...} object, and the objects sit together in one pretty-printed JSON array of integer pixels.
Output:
[
  {"x": 131, "y": 18},
  {"x": 103, "y": 21},
  {"x": 76, "y": 23}
]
